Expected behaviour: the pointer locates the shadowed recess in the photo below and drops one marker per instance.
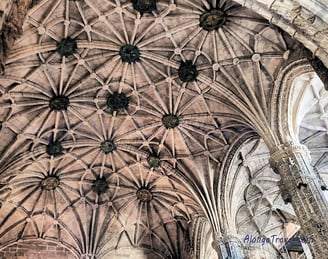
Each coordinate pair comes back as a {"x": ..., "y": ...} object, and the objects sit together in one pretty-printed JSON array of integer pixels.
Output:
[
  {"x": 100, "y": 186},
  {"x": 66, "y": 47},
  {"x": 59, "y": 103},
  {"x": 144, "y": 6},
  {"x": 50, "y": 183},
  {"x": 129, "y": 53},
  {"x": 117, "y": 101},
  {"x": 144, "y": 195},
  {"x": 154, "y": 161},
  {"x": 107, "y": 146},
  {"x": 187, "y": 71},
  {"x": 212, "y": 19},
  {"x": 170, "y": 121},
  {"x": 55, "y": 148}
]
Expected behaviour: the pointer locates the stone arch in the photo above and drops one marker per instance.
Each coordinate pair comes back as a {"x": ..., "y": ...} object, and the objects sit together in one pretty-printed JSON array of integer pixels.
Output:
[
  {"x": 227, "y": 181},
  {"x": 257, "y": 208},
  {"x": 202, "y": 238},
  {"x": 303, "y": 20},
  {"x": 280, "y": 101}
]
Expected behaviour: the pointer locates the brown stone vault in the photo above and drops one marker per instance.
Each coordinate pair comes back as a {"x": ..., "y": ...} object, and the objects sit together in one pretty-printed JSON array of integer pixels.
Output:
[{"x": 163, "y": 129}]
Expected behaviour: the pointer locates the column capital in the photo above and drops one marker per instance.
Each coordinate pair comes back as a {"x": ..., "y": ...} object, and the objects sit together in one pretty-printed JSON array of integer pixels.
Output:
[
  {"x": 285, "y": 150},
  {"x": 289, "y": 155},
  {"x": 228, "y": 246},
  {"x": 301, "y": 186},
  {"x": 218, "y": 243}
]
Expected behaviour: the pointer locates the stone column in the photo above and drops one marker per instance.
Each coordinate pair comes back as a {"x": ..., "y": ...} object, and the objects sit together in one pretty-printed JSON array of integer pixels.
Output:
[
  {"x": 302, "y": 187},
  {"x": 228, "y": 247}
]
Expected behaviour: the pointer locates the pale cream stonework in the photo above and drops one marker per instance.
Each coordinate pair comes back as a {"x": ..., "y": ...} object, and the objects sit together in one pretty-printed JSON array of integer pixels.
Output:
[{"x": 196, "y": 163}]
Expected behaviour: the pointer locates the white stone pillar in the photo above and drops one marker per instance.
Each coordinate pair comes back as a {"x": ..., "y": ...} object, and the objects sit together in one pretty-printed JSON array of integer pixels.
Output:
[
  {"x": 302, "y": 187},
  {"x": 228, "y": 247}
]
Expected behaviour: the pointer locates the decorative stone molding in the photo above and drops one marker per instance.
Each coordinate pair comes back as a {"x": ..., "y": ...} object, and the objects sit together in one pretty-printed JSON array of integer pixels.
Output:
[
  {"x": 50, "y": 183},
  {"x": 144, "y": 195},
  {"x": 170, "y": 121},
  {"x": 100, "y": 186},
  {"x": 66, "y": 47},
  {"x": 117, "y": 101},
  {"x": 107, "y": 146},
  {"x": 212, "y": 20},
  {"x": 154, "y": 161},
  {"x": 280, "y": 101},
  {"x": 303, "y": 188},
  {"x": 303, "y": 20}
]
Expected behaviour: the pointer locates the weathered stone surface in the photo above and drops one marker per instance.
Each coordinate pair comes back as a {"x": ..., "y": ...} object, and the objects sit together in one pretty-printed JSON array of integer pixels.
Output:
[
  {"x": 212, "y": 20},
  {"x": 100, "y": 186},
  {"x": 205, "y": 83},
  {"x": 50, "y": 183},
  {"x": 59, "y": 103},
  {"x": 107, "y": 146},
  {"x": 303, "y": 187},
  {"x": 170, "y": 121},
  {"x": 144, "y": 195},
  {"x": 187, "y": 71},
  {"x": 36, "y": 249},
  {"x": 117, "y": 101},
  {"x": 55, "y": 148},
  {"x": 144, "y": 6},
  {"x": 129, "y": 53}
]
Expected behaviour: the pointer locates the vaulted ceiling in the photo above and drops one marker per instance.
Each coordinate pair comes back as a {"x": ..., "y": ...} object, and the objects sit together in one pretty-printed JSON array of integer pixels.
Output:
[{"x": 118, "y": 118}]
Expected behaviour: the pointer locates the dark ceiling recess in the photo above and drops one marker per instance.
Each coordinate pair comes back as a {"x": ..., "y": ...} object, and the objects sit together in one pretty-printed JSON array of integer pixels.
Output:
[
  {"x": 129, "y": 53},
  {"x": 212, "y": 19},
  {"x": 100, "y": 186},
  {"x": 117, "y": 101},
  {"x": 55, "y": 148},
  {"x": 107, "y": 146},
  {"x": 143, "y": 194},
  {"x": 154, "y": 161},
  {"x": 187, "y": 71},
  {"x": 294, "y": 245},
  {"x": 59, "y": 103},
  {"x": 144, "y": 6},
  {"x": 50, "y": 183},
  {"x": 170, "y": 121},
  {"x": 66, "y": 47}
]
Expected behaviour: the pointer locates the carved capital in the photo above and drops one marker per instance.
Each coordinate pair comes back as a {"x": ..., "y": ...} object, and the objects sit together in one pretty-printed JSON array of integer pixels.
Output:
[
  {"x": 301, "y": 186},
  {"x": 218, "y": 243},
  {"x": 228, "y": 246}
]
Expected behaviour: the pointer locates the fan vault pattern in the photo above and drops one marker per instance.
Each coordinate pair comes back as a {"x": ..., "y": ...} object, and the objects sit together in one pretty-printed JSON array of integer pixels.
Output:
[
  {"x": 309, "y": 104},
  {"x": 259, "y": 208},
  {"x": 117, "y": 117}
]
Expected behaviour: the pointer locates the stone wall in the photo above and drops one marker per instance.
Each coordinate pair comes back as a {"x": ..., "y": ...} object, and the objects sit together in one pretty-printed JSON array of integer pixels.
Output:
[{"x": 36, "y": 250}]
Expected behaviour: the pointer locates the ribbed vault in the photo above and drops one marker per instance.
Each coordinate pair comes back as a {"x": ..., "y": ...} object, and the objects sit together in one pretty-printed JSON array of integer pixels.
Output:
[{"x": 119, "y": 118}]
